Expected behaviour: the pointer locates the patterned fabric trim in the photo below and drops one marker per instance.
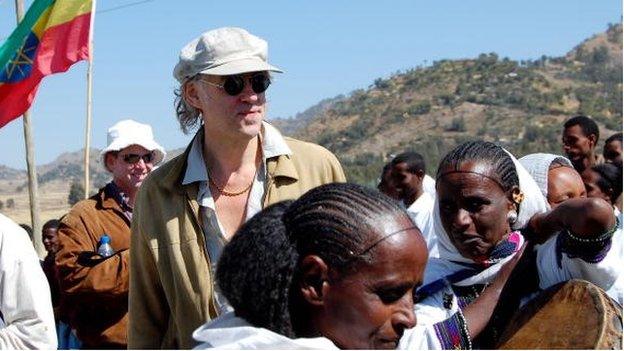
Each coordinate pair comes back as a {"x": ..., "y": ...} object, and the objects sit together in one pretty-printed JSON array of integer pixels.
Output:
[
  {"x": 503, "y": 249},
  {"x": 453, "y": 333},
  {"x": 467, "y": 294}
]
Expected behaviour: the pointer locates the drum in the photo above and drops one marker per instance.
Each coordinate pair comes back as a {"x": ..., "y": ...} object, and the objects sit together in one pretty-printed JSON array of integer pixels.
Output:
[{"x": 571, "y": 315}]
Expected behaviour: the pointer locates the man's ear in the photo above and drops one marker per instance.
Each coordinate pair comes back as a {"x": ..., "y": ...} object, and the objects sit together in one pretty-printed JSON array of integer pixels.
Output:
[
  {"x": 609, "y": 193},
  {"x": 593, "y": 139},
  {"x": 314, "y": 276},
  {"x": 189, "y": 94},
  {"x": 108, "y": 161}
]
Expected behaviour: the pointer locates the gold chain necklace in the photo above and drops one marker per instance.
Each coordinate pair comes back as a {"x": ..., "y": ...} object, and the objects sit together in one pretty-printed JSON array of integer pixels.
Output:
[{"x": 224, "y": 192}]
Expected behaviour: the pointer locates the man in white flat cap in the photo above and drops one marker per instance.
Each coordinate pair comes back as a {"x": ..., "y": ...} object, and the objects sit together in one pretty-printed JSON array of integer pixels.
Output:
[
  {"x": 236, "y": 165},
  {"x": 94, "y": 289}
]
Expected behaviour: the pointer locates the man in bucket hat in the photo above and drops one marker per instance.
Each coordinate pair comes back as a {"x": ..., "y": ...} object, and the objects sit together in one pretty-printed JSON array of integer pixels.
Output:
[
  {"x": 95, "y": 288},
  {"x": 190, "y": 207}
]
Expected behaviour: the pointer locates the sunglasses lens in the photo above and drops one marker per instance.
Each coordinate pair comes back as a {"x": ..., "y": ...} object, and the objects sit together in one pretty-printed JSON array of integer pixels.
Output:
[
  {"x": 147, "y": 158},
  {"x": 260, "y": 83},
  {"x": 233, "y": 85},
  {"x": 132, "y": 158}
]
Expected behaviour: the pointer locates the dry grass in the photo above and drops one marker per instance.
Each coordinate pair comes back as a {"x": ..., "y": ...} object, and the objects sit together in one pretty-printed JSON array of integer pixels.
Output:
[{"x": 52, "y": 200}]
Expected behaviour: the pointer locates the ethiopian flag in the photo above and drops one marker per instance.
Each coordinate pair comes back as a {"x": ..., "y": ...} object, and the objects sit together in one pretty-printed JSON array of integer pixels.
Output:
[{"x": 53, "y": 35}]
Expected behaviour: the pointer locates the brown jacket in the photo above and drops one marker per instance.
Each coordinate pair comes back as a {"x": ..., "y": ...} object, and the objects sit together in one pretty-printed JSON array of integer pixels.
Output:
[
  {"x": 95, "y": 291},
  {"x": 171, "y": 284}
]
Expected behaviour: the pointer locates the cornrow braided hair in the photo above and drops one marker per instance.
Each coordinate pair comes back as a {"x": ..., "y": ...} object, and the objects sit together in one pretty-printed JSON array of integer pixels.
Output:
[
  {"x": 504, "y": 171},
  {"x": 258, "y": 269}
]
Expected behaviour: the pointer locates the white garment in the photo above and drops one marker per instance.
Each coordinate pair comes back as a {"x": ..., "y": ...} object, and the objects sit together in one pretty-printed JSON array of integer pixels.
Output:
[
  {"x": 421, "y": 212},
  {"x": 617, "y": 250},
  {"x": 428, "y": 185},
  {"x": 432, "y": 308},
  {"x": 538, "y": 166},
  {"x": 232, "y": 333},
  {"x": 25, "y": 301}
]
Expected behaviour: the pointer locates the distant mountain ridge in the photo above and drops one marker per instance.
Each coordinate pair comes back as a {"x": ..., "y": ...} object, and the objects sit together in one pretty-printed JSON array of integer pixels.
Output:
[{"x": 69, "y": 166}]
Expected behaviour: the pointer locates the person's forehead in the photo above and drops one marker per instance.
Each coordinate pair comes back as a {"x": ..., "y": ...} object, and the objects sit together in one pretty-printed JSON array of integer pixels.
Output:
[
  {"x": 471, "y": 176},
  {"x": 564, "y": 174},
  {"x": 400, "y": 167},
  {"x": 50, "y": 231},
  {"x": 478, "y": 168},
  {"x": 136, "y": 149},
  {"x": 397, "y": 247},
  {"x": 575, "y": 130},
  {"x": 386, "y": 225}
]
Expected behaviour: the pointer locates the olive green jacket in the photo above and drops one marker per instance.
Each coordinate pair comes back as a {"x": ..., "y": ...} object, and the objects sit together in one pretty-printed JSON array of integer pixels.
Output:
[{"x": 171, "y": 284}]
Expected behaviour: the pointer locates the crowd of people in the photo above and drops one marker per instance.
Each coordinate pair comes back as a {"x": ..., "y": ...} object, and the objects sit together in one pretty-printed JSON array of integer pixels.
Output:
[{"x": 253, "y": 240}]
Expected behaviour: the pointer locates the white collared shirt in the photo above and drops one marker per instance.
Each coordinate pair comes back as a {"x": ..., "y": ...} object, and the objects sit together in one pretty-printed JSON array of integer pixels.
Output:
[{"x": 27, "y": 318}]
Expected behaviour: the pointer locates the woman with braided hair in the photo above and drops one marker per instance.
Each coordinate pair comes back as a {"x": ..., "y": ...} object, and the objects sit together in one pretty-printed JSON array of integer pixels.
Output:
[
  {"x": 486, "y": 205},
  {"x": 335, "y": 269}
]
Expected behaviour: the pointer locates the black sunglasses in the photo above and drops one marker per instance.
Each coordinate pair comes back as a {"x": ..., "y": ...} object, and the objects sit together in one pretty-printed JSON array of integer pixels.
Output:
[
  {"x": 234, "y": 85},
  {"x": 134, "y": 158}
]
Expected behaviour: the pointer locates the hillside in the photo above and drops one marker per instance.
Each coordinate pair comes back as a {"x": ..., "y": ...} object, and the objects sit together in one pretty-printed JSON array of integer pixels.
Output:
[
  {"x": 55, "y": 179},
  {"x": 520, "y": 105}
]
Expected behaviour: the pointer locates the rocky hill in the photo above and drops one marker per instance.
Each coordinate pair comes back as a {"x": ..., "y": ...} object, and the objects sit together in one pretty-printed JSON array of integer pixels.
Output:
[
  {"x": 519, "y": 104},
  {"x": 55, "y": 180}
]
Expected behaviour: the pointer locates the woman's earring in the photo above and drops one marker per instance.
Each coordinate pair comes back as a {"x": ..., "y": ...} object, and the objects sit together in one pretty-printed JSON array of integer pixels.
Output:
[{"x": 512, "y": 216}]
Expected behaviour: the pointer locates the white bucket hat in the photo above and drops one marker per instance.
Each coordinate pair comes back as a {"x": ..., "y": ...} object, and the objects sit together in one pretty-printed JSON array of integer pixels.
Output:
[
  {"x": 223, "y": 51},
  {"x": 128, "y": 132}
]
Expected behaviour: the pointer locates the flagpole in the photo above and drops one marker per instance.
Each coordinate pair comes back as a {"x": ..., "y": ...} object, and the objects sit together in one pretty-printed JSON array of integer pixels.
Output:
[
  {"x": 33, "y": 192},
  {"x": 89, "y": 101}
]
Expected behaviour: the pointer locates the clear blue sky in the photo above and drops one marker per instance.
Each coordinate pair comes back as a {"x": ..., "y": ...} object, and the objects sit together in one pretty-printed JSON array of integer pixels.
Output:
[{"x": 325, "y": 47}]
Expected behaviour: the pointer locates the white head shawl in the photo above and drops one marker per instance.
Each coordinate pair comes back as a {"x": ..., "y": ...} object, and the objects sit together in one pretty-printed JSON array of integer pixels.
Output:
[
  {"x": 534, "y": 202},
  {"x": 538, "y": 166}
]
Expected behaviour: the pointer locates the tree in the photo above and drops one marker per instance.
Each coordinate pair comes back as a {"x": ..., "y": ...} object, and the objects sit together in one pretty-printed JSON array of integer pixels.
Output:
[
  {"x": 76, "y": 193},
  {"x": 10, "y": 203},
  {"x": 1, "y": 205}
]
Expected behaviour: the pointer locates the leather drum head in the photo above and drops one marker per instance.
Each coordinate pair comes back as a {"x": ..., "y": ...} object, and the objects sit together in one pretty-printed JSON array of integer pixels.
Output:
[{"x": 571, "y": 315}]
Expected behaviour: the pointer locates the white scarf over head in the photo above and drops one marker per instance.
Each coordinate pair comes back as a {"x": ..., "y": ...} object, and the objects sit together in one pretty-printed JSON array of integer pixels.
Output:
[
  {"x": 534, "y": 202},
  {"x": 538, "y": 166}
]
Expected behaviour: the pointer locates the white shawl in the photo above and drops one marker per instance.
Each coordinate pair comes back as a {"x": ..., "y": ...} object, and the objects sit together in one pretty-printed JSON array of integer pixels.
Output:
[
  {"x": 533, "y": 203},
  {"x": 538, "y": 166}
]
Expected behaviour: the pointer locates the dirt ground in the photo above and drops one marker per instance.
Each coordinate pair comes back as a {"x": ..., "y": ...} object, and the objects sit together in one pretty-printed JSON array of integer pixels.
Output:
[{"x": 52, "y": 200}]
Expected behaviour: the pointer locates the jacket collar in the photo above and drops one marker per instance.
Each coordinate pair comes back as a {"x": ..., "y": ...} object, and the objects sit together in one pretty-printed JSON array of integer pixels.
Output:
[
  {"x": 106, "y": 200},
  {"x": 282, "y": 166},
  {"x": 279, "y": 163}
]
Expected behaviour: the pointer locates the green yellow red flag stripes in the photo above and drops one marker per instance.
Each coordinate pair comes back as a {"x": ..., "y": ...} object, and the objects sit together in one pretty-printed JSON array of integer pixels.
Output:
[{"x": 53, "y": 35}]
